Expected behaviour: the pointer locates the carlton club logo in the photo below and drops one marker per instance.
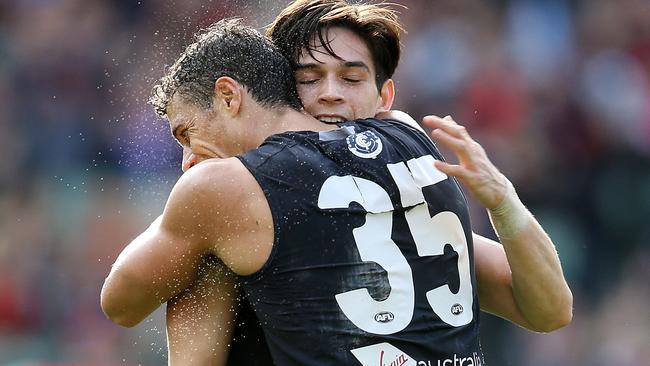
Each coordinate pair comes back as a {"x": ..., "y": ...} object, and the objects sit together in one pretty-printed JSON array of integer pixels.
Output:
[{"x": 365, "y": 145}]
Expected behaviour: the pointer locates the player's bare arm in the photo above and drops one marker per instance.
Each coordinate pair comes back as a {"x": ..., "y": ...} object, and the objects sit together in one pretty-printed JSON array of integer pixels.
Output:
[
  {"x": 205, "y": 335},
  {"x": 163, "y": 260},
  {"x": 521, "y": 279},
  {"x": 205, "y": 215},
  {"x": 196, "y": 333}
]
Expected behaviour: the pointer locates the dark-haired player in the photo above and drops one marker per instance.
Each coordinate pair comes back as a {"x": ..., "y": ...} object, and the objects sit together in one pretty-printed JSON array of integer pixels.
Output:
[
  {"x": 344, "y": 56},
  {"x": 338, "y": 231}
]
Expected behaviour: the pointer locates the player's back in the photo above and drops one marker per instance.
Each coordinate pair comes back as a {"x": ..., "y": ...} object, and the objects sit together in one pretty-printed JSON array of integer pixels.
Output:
[{"x": 372, "y": 257}]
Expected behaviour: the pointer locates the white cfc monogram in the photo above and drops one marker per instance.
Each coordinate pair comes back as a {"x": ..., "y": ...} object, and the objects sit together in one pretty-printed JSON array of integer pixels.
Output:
[{"x": 374, "y": 243}]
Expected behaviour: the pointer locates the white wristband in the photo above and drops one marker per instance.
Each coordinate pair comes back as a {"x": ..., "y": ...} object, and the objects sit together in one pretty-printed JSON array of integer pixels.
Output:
[{"x": 510, "y": 217}]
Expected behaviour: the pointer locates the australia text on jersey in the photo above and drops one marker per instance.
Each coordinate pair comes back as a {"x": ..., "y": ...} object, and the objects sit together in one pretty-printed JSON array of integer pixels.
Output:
[
  {"x": 473, "y": 360},
  {"x": 402, "y": 359}
]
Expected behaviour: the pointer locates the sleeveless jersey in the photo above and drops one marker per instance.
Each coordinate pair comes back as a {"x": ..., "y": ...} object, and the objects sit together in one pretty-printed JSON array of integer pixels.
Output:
[
  {"x": 248, "y": 346},
  {"x": 372, "y": 261}
]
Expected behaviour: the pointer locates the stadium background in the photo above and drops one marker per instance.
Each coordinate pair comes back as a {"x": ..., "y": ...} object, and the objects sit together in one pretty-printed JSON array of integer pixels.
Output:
[{"x": 558, "y": 92}]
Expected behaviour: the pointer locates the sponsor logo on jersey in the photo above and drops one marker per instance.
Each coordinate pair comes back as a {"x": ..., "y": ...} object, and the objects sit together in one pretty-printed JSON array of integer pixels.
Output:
[
  {"x": 457, "y": 309},
  {"x": 398, "y": 361},
  {"x": 383, "y": 354},
  {"x": 384, "y": 317},
  {"x": 471, "y": 360},
  {"x": 365, "y": 145}
]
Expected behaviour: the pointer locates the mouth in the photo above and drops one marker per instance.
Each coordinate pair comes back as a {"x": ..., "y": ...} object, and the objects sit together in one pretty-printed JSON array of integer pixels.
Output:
[{"x": 331, "y": 118}]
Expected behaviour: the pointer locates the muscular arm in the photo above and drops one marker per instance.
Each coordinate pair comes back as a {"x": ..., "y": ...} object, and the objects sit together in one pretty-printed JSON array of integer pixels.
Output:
[
  {"x": 520, "y": 279},
  {"x": 153, "y": 268},
  {"x": 199, "y": 320},
  {"x": 165, "y": 259}
]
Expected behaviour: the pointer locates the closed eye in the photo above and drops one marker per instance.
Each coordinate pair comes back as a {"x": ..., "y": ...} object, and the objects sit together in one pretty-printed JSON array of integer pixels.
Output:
[
  {"x": 351, "y": 80},
  {"x": 182, "y": 134},
  {"x": 185, "y": 136},
  {"x": 308, "y": 81},
  {"x": 182, "y": 138}
]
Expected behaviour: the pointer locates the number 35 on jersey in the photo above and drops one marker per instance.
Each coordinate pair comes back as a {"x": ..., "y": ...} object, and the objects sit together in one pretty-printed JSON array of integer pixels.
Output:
[{"x": 374, "y": 244}]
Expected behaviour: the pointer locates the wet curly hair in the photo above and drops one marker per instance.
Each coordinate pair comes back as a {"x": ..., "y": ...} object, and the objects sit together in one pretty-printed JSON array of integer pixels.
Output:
[{"x": 228, "y": 48}]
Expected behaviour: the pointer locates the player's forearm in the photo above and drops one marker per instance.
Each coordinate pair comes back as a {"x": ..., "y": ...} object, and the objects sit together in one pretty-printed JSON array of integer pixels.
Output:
[
  {"x": 538, "y": 283},
  {"x": 200, "y": 319},
  {"x": 145, "y": 275},
  {"x": 122, "y": 299}
]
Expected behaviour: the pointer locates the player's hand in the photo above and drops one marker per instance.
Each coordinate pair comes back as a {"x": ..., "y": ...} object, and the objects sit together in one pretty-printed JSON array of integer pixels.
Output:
[{"x": 474, "y": 169}]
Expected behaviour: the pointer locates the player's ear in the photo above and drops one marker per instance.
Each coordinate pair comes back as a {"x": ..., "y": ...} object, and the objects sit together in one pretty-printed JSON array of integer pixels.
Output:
[
  {"x": 228, "y": 92},
  {"x": 386, "y": 96}
]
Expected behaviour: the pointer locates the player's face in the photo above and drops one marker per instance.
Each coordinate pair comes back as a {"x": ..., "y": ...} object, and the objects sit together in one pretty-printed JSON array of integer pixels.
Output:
[
  {"x": 196, "y": 130},
  {"x": 334, "y": 90}
]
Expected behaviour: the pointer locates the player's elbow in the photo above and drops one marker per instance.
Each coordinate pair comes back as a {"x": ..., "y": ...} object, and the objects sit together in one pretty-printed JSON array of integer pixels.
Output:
[
  {"x": 561, "y": 316},
  {"x": 565, "y": 313},
  {"x": 556, "y": 323},
  {"x": 117, "y": 313},
  {"x": 115, "y": 304}
]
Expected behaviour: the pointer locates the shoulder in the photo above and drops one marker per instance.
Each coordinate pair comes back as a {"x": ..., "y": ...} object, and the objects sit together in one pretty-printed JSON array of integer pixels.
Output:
[
  {"x": 209, "y": 196},
  {"x": 220, "y": 203},
  {"x": 212, "y": 181},
  {"x": 401, "y": 117}
]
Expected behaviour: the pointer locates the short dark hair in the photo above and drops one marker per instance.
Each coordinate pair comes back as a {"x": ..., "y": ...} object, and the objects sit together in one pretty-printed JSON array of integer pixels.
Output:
[
  {"x": 228, "y": 48},
  {"x": 295, "y": 29}
]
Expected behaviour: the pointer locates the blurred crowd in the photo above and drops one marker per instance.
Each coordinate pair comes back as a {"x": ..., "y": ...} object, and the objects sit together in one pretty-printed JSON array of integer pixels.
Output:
[{"x": 557, "y": 91}]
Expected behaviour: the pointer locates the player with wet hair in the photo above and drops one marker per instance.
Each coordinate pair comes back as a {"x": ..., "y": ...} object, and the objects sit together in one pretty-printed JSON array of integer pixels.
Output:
[
  {"x": 336, "y": 231},
  {"x": 344, "y": 56},
  {"x": 334, "y": 86}
]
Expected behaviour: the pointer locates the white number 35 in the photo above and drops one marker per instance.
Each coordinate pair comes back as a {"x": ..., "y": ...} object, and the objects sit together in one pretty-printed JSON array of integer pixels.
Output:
[{"x": 374, "y": 243}]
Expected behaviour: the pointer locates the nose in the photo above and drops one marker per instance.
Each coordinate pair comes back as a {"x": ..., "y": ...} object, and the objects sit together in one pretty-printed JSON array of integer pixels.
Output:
[
  {"x": 189, "y": 160},
  {"x": 330, "y": 92}
]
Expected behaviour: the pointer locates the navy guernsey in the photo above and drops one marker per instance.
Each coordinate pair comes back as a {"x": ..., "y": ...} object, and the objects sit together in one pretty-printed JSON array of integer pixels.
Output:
[{"x": 372, "y": 262}]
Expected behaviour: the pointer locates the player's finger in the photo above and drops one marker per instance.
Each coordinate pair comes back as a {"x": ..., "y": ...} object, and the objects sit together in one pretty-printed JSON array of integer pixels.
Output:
[
  {"x": 431, "y": 121},
  {"x": 446, "y": 124},
  {"x": 450, "y": 169},
  {"x": 441, "y": 136},
  {"x": 461, "y": 147}
]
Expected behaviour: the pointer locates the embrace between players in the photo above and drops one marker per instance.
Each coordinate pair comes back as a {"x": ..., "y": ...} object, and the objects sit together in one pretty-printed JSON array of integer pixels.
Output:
[{"x": 335, "y": 219}]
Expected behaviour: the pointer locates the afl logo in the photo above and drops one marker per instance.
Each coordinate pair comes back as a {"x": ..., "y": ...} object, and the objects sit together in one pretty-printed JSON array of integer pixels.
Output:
[
  {"x": 384, "y": 317},
  {"x": 365, "y": 145},
  {"x": 456, "y": 309}
]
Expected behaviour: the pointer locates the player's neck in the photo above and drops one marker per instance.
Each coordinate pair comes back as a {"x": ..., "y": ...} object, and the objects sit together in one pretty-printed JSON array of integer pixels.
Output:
[
  {"x": 292, "y": 120},
  {"x": 288, "y": 119}
]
